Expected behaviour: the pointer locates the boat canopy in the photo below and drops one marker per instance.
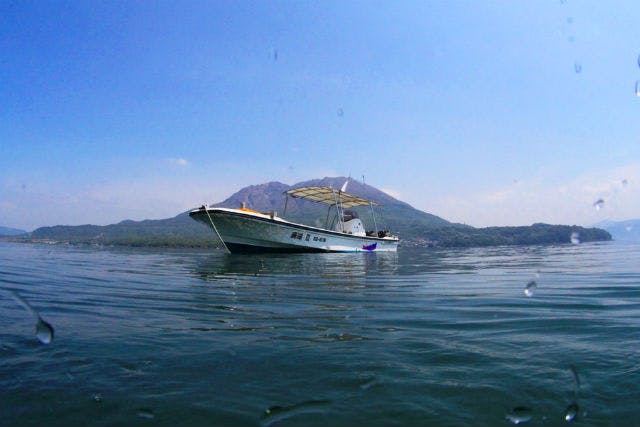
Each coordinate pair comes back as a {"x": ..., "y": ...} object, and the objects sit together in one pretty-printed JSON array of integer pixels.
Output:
[{"x": 329, "y": 196}]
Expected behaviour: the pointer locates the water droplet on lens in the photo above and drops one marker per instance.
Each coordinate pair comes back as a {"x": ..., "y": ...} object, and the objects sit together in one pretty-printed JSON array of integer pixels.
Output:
[
  {"x": 571, "y": 413},
  {"x": 625, "y": 182},
  {"x": 146, "y": 413},
  {"x": 575, "y": 238},
  {"x": 368, "y": 384},
  {"x": 519, "y": 415},
  {"x": 599, "y": 204},
  {"x": 273, "y": 409},
  {"x": 340, "y": 112},
  {"x": 576, "y": 381},
  {"x": 638, "y": 60},
  {"x": 530, "y": 289},
  {"x": 275, "y": 414},
  {"x": 44, "y": 332},
  {"x": 577, "y": 67},
  {"x": 638, "y": 88},
  {"x": 628, "y": 228},
  {"x": 569, "y": 20}
]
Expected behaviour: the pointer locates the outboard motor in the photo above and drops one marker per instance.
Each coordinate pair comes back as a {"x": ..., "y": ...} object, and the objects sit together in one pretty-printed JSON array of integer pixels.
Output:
[{"x": 352, "y": 224}]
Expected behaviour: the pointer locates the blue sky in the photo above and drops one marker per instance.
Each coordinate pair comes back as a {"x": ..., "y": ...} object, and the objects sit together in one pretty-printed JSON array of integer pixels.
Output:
[{"x": 487, "y": 113}]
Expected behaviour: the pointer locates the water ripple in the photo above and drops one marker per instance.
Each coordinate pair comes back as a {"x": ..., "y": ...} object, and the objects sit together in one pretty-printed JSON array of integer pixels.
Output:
[{"x": 435, "y": 337}]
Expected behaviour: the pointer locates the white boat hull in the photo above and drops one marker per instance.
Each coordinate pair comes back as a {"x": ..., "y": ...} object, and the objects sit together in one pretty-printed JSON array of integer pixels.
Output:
[{"x": 243, "y": 231}]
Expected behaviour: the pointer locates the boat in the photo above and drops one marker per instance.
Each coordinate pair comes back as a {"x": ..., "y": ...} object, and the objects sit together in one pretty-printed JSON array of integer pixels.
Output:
[{"x": 244, "y": 230}]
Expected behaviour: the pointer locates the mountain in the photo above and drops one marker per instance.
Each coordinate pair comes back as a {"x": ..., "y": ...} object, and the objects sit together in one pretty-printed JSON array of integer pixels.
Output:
[
  {"x": 8, "y": 232},
  {"x": 181, "y": 230},
  {"x": 622, "y": 230},
  {"x": 393, "y": 214},
  {"x": 415, "y": 228}
]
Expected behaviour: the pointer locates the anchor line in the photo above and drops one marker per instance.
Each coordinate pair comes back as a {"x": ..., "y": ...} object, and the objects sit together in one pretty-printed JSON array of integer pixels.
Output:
[{"x": 206, "y": 209}]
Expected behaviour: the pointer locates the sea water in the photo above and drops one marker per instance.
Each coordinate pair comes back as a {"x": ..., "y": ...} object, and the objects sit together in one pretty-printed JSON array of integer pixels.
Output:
[{"x": 535, "y": 335}]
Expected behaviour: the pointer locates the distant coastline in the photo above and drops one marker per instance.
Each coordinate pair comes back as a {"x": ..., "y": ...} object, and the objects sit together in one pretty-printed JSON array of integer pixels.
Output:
[
  {"x": 10, "y": 232},
  {"x": 444, "y": 237},
  {"x": 415, "y": 228}
]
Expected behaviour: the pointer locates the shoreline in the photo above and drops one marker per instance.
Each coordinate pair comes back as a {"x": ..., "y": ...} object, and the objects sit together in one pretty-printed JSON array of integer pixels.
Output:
[{"x": 161, "y": 243}]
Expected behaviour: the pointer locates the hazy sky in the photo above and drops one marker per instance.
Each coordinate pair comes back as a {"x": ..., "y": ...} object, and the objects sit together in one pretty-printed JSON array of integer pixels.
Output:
[{"x": 487, "y": 113}]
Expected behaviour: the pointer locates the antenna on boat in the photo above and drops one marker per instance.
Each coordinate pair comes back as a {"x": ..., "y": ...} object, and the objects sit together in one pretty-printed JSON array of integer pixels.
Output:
[{"x": 344, "y": 186}]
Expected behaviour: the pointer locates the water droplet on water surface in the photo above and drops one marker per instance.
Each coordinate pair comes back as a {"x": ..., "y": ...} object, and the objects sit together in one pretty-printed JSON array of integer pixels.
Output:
[
  {"x": 599, "y": 204},
  {"x": 575, "y": 238},
  {"x": 530, "y": 289},
  {"x": 571, "y": 413},
  {"x": 519, "y": 415}
]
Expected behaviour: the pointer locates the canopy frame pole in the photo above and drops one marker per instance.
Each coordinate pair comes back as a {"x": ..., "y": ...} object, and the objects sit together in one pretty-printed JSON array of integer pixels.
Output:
[
  {"x": 338, "y": 209},
  {"x": 286, "y": 202},
  {"x": 375, "y": 226},
  {"x": 326, "y": 223}
]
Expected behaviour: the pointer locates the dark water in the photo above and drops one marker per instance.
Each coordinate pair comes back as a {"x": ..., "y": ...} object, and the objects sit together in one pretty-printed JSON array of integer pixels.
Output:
[{"x": 422, "y": 337}]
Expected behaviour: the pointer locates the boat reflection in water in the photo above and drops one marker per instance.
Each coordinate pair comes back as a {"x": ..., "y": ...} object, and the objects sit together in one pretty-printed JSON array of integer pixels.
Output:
[{"x": 325, "y": 266}]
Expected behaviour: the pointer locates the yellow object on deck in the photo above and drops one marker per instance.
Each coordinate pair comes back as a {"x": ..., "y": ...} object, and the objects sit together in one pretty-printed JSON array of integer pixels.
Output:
[{"x": 249, "y": 210}]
